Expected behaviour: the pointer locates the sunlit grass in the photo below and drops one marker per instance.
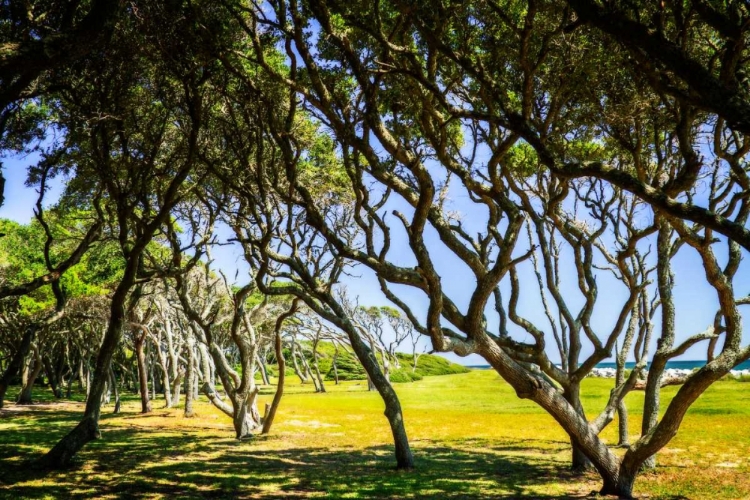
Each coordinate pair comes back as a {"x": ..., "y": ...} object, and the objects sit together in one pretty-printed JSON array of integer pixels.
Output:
[{"x": 473, "y": 438}]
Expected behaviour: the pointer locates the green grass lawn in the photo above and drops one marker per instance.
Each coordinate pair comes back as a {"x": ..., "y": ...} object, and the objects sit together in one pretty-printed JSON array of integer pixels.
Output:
[{"x": 472, "y": 438}]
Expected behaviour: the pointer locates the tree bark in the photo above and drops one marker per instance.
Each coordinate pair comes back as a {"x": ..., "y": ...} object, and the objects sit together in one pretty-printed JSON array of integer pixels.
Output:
[
  {"x": 321, "y": 385},
  {"x": 17, "y": 361},
  {"x": 673, "y": 380},
  {"x": 31, "y": 372},
  {"x": 177, "y": 374},
  {"x": 246, "y": 418},
  {"x": 152, "y": 377},
  {"x": 621, "y": 485},
  {"x": 174, "y": 396},
  {"x": 190, "y": 383},
  {"x": 166, "y": 383},
  {"x": 386, "y": 365},
  {"x": 142, "y": 373},
  {"x": 622, "y": 416},
  {"x": 69, "y": 386},
  {"x": 52, "y": 377},
  {"x": 295, "y": 364},
  {"x": 271, "y": 414},
  {"x": 404, "y": 457},
  {"x": 263, "y": 371},
  {"x": 88, "y": 428},
  {"x": 579, "y": 462},
  {"x": 107, "y": 396},
  {"x": 537, "y": 389},
  {"x": 113, "y": 383},
  {"x": 307, "y": 370}
]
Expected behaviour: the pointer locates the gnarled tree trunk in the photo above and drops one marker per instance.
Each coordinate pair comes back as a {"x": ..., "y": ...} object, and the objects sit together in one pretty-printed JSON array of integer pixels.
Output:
[
  {"x": 113, "y": 383},
  {"x": 190, "y": 382},
  {"x": 404, "y": 457},
  {"x": 579, "y": 461},
  {"x": 17, "y": 361},
  {"x": 140, "y": 353},
  {"x": 263, "y": 371},
  {"x": 30, "y": 373},
  {"x": 88, "y": 428}
]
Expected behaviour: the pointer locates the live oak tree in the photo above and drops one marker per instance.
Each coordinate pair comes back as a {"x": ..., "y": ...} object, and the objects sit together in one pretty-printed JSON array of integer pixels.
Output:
[
  {"x": 288, "y": 257},
  {"x": 710, "y": 71},
  {"x": 36, "y": 38},
  {"x": 610, "y": 135},
  {"x": 467, "y": 117},
  {"x": 37, "y": 280},
  {"x": 293, "y": 261},
  {"x": 309, "y": 327},
  {"x": 40, "y": 36},
  {"x": 141, "y": 142},
  {"x": 222, "y": 317},
  {"x": 374, "y": 323}
]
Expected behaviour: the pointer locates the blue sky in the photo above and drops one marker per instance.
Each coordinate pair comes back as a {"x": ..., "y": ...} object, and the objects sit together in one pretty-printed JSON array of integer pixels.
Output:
[{"x": 696, "y": 302}]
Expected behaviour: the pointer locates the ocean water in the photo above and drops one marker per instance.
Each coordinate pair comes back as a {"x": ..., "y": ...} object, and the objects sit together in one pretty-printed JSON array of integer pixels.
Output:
[{"x": 681, "y": 365}]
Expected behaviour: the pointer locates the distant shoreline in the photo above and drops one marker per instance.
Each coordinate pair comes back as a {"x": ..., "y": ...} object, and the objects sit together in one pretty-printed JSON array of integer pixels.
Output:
[{"x": 677, "y": 365}]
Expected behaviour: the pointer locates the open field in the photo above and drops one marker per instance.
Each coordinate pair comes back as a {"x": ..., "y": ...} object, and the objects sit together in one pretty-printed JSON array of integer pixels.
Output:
[{"x": 472, "y": 437}]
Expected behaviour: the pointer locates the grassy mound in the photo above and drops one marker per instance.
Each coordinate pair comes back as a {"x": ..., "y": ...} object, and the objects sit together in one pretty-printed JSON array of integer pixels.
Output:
[{"x": 349, "y": 368}]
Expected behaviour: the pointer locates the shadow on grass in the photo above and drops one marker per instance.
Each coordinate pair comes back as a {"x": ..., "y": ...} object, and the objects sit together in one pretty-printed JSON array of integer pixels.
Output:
[
  {"x": 137, "y": 463},
  {"x": 139, "y": 466}
]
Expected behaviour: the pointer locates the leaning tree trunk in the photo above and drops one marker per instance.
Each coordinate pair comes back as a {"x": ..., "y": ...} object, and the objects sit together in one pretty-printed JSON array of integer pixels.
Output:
[
  {"x": 295, "y": 364},
  {"x": 321, "y": 385},
  {"x": 17, "y": 361},
  {"x": 263, "y": 371},
  {"x": 142, "y": 374},
  {"x": 271, "y": 413},
  {"x": 176, "y": 388},
  {"x": 207, "y": 364},
  {"x": 113, "y": 383},
  {"x": 309, "y": 372},
  {"x": 30, "y": 374},
  {"x": 579, "y": 461},
  {"x": 166, "y": 383},
  {"x": 386, "y": 364},
  {"x": 52, "y": 377},
  {"x": 190, "y": 382},
  {"x": 404, "y": 457},
  {"x": 306, "y": 369},
  {"x": 88, "y": 428}
]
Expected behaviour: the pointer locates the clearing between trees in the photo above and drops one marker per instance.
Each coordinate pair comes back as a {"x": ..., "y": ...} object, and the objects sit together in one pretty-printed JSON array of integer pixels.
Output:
[{"x": 471, "y": 436}]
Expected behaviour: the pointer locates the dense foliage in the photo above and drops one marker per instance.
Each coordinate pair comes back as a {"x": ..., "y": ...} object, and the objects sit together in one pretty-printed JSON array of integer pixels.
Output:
[{"x": 466, "y": 155}]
